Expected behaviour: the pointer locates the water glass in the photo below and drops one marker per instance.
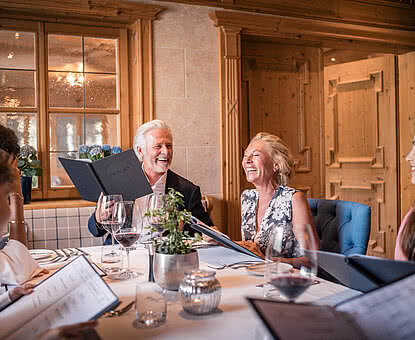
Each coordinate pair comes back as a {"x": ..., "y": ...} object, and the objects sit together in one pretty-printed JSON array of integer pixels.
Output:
[
  {"x": 113, "y": 268},
  {"x": 150, "y": 305}
]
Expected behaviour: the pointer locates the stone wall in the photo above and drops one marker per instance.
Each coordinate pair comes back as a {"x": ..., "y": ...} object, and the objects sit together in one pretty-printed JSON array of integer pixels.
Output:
[{"x": 186, "y": 92}]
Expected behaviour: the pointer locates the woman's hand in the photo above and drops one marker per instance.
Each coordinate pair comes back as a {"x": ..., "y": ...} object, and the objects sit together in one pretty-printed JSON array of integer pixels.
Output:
[
  {"x": 252, "y": 246},
  {"x": 74, "y": 332},
  {"x": 15, "y": 185},
  {"x": 17, "y": 292},
  {"x": 42, "y": 272}
]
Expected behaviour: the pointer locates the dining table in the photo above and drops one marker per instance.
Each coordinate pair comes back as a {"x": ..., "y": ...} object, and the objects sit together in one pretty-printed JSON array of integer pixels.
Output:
[{"x": 233, "y": 319}]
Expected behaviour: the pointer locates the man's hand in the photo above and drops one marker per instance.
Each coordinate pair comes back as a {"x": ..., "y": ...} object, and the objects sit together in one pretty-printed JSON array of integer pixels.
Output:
[{"x": 101, "y": 212}]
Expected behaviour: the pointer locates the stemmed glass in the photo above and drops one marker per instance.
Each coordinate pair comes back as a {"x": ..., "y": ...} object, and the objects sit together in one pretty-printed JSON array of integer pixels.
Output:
[
  {"x": 109, "y": 223},
  {"x": 154, "y": 220},
  {"x": 129, "y": 232},
  {"x": 291, "y": 244}
]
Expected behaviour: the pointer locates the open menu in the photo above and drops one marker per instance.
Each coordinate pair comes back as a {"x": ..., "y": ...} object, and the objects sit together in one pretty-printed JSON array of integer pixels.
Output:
[
  {"x": 223, "y": 239},
  {"x": 76, "y": 293},
  {"x": 364, "y": 273},
  {"x": 117, "y": 174},
  {"x": 385, "y": 313}
]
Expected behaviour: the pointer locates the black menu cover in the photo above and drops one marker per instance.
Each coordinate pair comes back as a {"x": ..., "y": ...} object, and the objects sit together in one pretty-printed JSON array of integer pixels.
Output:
[{"x": 117, "y": 174}]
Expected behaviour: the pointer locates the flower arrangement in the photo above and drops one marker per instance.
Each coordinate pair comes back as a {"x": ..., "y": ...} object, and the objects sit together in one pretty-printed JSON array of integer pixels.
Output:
[
  {"x": 95, "y": 152},
  {"x": 27, "y": 163},
  {"x": 177, "y": 241}
]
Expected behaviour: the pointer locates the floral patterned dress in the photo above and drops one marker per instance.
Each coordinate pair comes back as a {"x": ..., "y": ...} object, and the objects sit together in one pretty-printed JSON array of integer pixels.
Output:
[{"x": 279, "y": 211}]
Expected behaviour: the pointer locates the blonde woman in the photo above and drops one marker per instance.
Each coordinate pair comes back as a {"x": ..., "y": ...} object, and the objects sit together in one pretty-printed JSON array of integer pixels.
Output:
[{"x": 268, "y": 163}]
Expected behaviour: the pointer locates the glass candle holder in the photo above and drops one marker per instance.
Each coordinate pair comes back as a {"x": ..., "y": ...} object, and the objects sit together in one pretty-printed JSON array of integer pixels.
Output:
[{"x": 200, "y": 292}]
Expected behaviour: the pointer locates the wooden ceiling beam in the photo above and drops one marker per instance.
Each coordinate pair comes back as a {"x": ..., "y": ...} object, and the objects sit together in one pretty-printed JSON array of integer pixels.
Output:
[
  {"x": 319, "y": 33},
  {"x": 95, "y": 12},
  {"x": 379, "y": 13}
]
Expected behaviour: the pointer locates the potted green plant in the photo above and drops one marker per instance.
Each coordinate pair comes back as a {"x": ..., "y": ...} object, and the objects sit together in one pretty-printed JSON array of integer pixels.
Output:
[
  {"x": 174, "y": 255},
  {"x": 29, "y": 166}
]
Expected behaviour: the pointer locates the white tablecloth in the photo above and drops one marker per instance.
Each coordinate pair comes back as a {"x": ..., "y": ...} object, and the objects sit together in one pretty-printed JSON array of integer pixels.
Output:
[{"x": 235, "y": 321}]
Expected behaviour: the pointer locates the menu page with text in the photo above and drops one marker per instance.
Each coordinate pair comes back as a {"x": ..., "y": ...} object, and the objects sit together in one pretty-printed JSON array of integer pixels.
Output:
[
  {"x": 75, "y": 293},
  {"x": 386, "y": 313}
]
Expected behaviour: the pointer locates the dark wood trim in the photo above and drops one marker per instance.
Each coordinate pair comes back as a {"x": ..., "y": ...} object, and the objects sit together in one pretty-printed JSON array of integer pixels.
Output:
[
  {"x": 319, "y": 33},
  {"x": 379, "y": 13},
  {"x": 92, "y": 12}
]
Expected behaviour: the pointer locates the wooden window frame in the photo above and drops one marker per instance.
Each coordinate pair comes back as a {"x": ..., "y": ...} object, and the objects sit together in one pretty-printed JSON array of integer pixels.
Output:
[{"x": 130, "y": 23}]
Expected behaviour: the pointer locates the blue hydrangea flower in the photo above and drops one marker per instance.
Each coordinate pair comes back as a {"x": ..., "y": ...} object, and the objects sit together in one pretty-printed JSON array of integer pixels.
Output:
[
  {"x": 27, "y": 151},
  {"x": 115, "y": 150},
  {"x": 83, "y": 148},
  {"x": 106, "y": 147}
]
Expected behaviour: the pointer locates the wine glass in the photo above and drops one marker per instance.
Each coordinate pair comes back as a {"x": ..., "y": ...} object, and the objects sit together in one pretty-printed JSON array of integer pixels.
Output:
[
  {"x": 156, "y": 205},
  {"x": 128, "y": 233},
  {"x": 154, "y": 219},
  {"x": 291, "y": 264},
  {"x": 106, "y": 206}
]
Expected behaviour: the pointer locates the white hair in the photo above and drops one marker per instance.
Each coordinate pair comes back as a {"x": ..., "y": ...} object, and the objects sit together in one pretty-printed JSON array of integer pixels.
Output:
[{"x": 140, "y": 138}]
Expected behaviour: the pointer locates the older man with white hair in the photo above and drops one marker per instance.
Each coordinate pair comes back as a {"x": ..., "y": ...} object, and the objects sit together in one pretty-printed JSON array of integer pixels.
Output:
[{"x": 153, "y": 145}]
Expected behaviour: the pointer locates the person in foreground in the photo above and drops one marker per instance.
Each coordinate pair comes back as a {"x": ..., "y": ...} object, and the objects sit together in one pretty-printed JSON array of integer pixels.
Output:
[
  {"x": 153, "y": 145},
  {"x": 405, "y": 242},
  {"x": 16, "y": 263},
  {"x": 267, "y": 163}
]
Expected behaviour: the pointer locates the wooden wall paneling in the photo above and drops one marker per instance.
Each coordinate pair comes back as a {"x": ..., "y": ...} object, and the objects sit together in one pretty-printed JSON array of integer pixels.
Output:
[
  {"x": 230, "y": 67},
  {"x": 44, "y": 180},
  {"x": 361, "y": 145},
  {"x": 321, "y": 127},
  {"x": 283, "y": 86},
  {"x": 141, "y": 76},
  {"x": 124, "y": 90},
  {"x": 406, "y": 128}
]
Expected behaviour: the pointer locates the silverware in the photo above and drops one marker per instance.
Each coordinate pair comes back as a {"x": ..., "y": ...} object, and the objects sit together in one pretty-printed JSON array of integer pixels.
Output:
[
  {"x": 119, "y": 312},
  {"x": 235, "y": 265}
]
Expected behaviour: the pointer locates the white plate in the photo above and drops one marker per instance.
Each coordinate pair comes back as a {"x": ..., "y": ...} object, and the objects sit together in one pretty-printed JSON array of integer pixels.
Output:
[
  {"x": 41, "y": 254},
  {"x": 259, "y": 269}
]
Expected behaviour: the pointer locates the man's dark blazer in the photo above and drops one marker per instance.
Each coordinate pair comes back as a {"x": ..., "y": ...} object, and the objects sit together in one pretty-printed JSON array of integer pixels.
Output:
[{"x": 192, "y": 202}]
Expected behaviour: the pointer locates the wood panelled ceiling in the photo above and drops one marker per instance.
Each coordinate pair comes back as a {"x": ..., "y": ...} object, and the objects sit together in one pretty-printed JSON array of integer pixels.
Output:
[{"x": 380, "y": 13}]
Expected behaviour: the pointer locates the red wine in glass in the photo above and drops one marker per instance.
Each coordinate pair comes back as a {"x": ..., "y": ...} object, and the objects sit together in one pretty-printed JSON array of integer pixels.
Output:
[
  {"x": 127, "y": 239},
  {"x": 291, "y": 286}
]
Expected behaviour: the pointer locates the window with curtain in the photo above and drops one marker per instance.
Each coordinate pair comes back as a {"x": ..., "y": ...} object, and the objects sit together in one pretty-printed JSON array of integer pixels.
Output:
[{"x": 59, "y": 89}]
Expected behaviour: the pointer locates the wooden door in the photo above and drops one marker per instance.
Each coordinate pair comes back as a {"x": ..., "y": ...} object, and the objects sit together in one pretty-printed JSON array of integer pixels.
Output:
[
  {"x": 281, "y": 94},
  {"x": 360, "y": 143},
  {"x": 406, "y": 127}
]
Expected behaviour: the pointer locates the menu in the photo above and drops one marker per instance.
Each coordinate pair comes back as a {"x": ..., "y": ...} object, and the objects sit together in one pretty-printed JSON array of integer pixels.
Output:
[
  {"x": 76, "y": 293},
  {"x": 385, "y": 313}
]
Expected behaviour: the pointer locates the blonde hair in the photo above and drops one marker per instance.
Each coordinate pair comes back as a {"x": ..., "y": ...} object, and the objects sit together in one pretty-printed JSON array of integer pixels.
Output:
[{"x": 280, "y": 155}]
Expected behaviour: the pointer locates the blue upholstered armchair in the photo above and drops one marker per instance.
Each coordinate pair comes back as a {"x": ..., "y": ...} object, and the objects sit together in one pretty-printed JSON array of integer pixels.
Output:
[{"x": 342, "y": 226}]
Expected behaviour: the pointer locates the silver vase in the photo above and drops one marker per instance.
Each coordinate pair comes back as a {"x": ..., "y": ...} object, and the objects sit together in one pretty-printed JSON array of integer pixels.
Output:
[{"x": 169, "y": 270}]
